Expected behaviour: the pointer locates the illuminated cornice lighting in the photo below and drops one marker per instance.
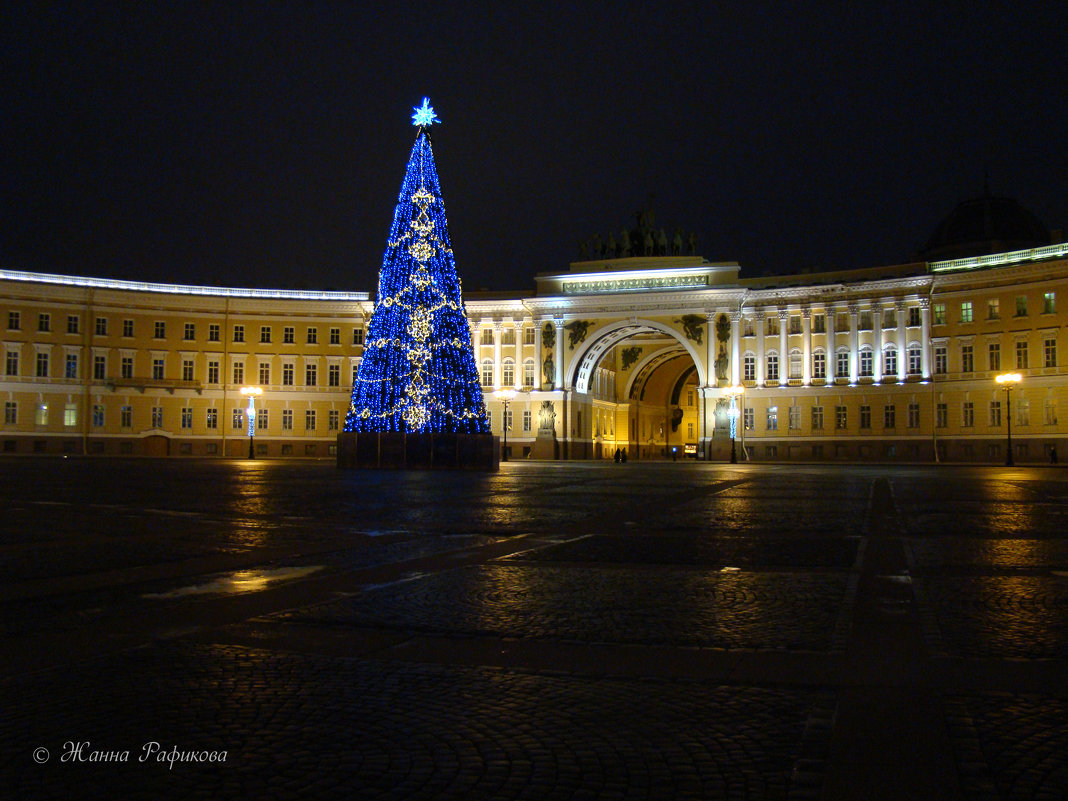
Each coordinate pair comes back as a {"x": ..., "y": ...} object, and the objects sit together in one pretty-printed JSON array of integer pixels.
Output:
[
  {"x": 180, "y": 289},
  {"x": 1001, "y": 259}
]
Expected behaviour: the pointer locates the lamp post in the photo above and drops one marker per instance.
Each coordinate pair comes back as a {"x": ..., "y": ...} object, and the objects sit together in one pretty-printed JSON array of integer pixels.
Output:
[
  {"x": 1008, "y": 381},
  {"x": 251, "y": 393},
  {"x": 505, "y": 396},
  {"x": 733, "y": 392}
]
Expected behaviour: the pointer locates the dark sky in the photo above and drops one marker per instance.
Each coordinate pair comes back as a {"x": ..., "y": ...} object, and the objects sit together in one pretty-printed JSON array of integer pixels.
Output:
[{"x": 264, "y": 144}]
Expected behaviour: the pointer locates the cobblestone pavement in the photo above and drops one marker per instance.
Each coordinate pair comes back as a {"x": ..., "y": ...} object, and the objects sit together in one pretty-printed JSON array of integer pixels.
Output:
[{"x": 563, "y": 630}]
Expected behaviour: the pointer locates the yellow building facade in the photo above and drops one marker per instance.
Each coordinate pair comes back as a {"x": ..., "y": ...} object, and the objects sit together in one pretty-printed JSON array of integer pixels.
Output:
[{"x": 635, "y": 354}]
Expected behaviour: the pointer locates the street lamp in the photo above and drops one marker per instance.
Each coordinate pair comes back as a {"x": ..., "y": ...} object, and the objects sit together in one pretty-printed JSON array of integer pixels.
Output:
[
  {"x": 252, "y": 393},
  {"x": 1008, "y": 381},
  {"x": 504, "y": 395},
  {"x": 734, "y": 392}
]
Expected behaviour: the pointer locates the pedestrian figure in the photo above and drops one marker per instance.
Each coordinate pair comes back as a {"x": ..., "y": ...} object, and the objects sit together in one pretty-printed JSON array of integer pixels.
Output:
[
  {"x": 623, "y": 456},
  {"x": 617, "y": 456}
]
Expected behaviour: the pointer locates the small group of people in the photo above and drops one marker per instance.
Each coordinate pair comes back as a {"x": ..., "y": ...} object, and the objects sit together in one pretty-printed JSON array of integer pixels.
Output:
[{"x": 621, "y": 456}]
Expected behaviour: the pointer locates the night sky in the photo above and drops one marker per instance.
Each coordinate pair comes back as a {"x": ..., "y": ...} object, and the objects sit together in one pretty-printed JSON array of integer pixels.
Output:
[{"x": 264, "y": 144}]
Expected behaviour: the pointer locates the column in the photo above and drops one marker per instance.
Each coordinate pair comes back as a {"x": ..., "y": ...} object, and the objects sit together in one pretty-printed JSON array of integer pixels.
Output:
[
  {"x": 498, "y": 331},
  {"x": 558, "y": 322},
  {"x": 806, "y": 346},
  {"x": 710, "y": 351},
  {"x": 517, "y": 373},
  {"x": 832, "y": 361},
  {"x": 854, "y": 344},
  {"x": 539, "y": 376},
  {"x": 902, "y": 355},
  {"x": 877, "y": 343},
  {"x": 925, "y": 336},
  {"x": 760, "y": 329},
  {"x": 784, "y": 345},
  {"x": 736, "y": 348}
]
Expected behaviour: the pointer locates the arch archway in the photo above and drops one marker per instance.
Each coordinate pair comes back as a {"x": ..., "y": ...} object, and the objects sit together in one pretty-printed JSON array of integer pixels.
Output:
[{"x": 581, "y": 367}]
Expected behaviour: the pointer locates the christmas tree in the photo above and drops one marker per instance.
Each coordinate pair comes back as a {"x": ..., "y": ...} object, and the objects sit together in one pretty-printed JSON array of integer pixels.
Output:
[{"x": 418, "y": 373}]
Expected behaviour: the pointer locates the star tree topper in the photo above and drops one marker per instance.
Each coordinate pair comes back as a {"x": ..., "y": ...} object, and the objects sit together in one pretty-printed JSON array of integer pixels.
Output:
[{"x": 424, "y": 115}]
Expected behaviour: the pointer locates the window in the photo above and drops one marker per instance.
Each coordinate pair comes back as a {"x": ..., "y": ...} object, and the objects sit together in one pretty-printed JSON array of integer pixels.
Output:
[
  {"x": 865, "y": 416},
  {"x": 773, "y": 367},
  {"x": 967, "y": 414},
  {"x": 1049, "y": 352},
  {"x": 772, "y": 422},
  {"x": 939, "y": 313},
  {"x": 100, "y": 368},
  {"x": 914, "y": 316},
  {"x": 11, "y": 412},
  {"x": 355, "y": 372},
  {"x": 1050, "y": 409},
  {"x": 841, "y": 360},
  {"x": 333, "y": 375},
  {"x": 289, "y": 335},
  {"x": 41, "y": 414},
  {"x": 487, "y": 372},
  {"x": 528, "y": 336},
  {"x": 157, "y": 417},
  {"x": 190, "y": 332},
  {"x": 890, "y": 362},
  {"x": 967, "y": 359},
  {"x": 841, "y": 418},
  {"x": 309, "y": 419},
  {"x": 1021, "y": 305},
  {"x": 313, "y": 336},
  {"x": 772, "y": 325},
  {"x": 747, "y": 327},
  {"x": 357, "y": 336},
  {"x": 795, "y": 324},
  {"x": 487, "y": 336},
  {"x": 212, "y": 420},
  {"x": 187, "y": 369},
  {"x": 1049, "y": 302},
  {"x": 866, "y": 366},
  {"x": 914, "y": 415},
  {"x": 70, "y": 415},
  {"x": 994, "y": 356},
  {"x": 187, "y": 417},
  {"x": 966, "y": 311},
  {"x": 508, "y": 373},
  {"x": 287, "y": 374},
  {"x": 11, "y": 363},
  {"x": 508, "y": 336},
  {"x": 311, "y": 375},
  {"x": 14, "y": 320},
  {"x": 795, "y": 418},
  {"x": 995, "y": 413},
  {"x": 70, "y": 367},
  {"x": 941, "y": 415},
  {"x": 73, "y": 323},
  {"x": 1023, "y": 412},
  {"x": 508, "y": 420},
  {"x": 332, "y": 419},
  {"x": 748, "y": 419},
  {"x": 287, "y": 419},
  {"x": 749, "y": 367},
  {"x": 889, "y": 416},
  {"x": 265, "y": 334},
  {"x": 796, "y": 364},
  {"x": 526, "y": 418},
  {"x": 42, "y": 365},
  {"x": 214, "y": 332},
  {"x": 819, "y": 324},
  {"x": 159, "y": 330},
  {"x": 865, "y": 321},
  {"x": 239, "y": 372},
  {"x": 127, "y": 328},
  {"x": 126, "y": 416},
  {"x": 1021, "y": 355},
  {"x": 157, "y": 369},
  {"x": 819, "y": 364},
  {"x": 239, "y": 333},
  {"x": 265, "y": 373},
  {"x": 817, "y": 418},
  {"x": 993, "y": 309},
  {"x": 213, "y": 372},
  {"x": 126, "y": 367},
  {"x": 237, "y": 419},
  {"x": 890, "y": 318},
  {"x": 262, "y": 419},
  {"x": 44, "y": 322},
  {"x": 941, "y": 360},
  {"x": 335, "y": 336},
  {"x": 915, "y": 359},
  {"x": 528, "y": 372}
]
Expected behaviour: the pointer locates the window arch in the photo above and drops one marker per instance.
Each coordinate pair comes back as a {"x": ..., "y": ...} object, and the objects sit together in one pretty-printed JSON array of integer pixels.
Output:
[
  {"x": 487, "y": 373},
  {"x": 749, "y": 366},
  {"x": 867, "y": 362},
  {"x": 772, "y": 360},
  {"x": 841, "y": 363},
  {"x": 796, "y": 364},
  {"x": 915, "y": 357},
  {"x": 528, "y": 372},
  {"x": 508, "y": 373},
  {"x": 890, "y": 360},
  {"x": 819, "y": 363}
]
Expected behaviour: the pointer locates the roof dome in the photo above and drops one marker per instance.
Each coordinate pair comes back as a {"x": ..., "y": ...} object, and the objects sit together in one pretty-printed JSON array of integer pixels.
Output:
[{"x": 984, "y": 225}]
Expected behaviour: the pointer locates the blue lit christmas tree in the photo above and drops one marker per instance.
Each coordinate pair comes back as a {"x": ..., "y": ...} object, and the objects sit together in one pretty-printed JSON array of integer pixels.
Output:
[{"x": 418, "y": 373}]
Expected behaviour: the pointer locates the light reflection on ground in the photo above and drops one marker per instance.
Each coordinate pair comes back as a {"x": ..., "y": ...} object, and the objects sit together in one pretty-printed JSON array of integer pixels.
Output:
[{"x": 239, "y": 581}]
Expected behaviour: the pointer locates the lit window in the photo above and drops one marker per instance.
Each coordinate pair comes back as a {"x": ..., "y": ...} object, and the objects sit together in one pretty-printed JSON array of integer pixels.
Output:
[
  {"x": 966, "y": 311},
  {"x": 939, "y": 313},
  {"x": 993, "y": 309},
  {"x": 772, "y": 423},
  {"x": 1049, "y": 303}
]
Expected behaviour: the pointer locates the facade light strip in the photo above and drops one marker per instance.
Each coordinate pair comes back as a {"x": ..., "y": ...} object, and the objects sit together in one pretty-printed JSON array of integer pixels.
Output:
[
  {"x": 181, "y": 289},
  {"x": 1001, "y": 259}
]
